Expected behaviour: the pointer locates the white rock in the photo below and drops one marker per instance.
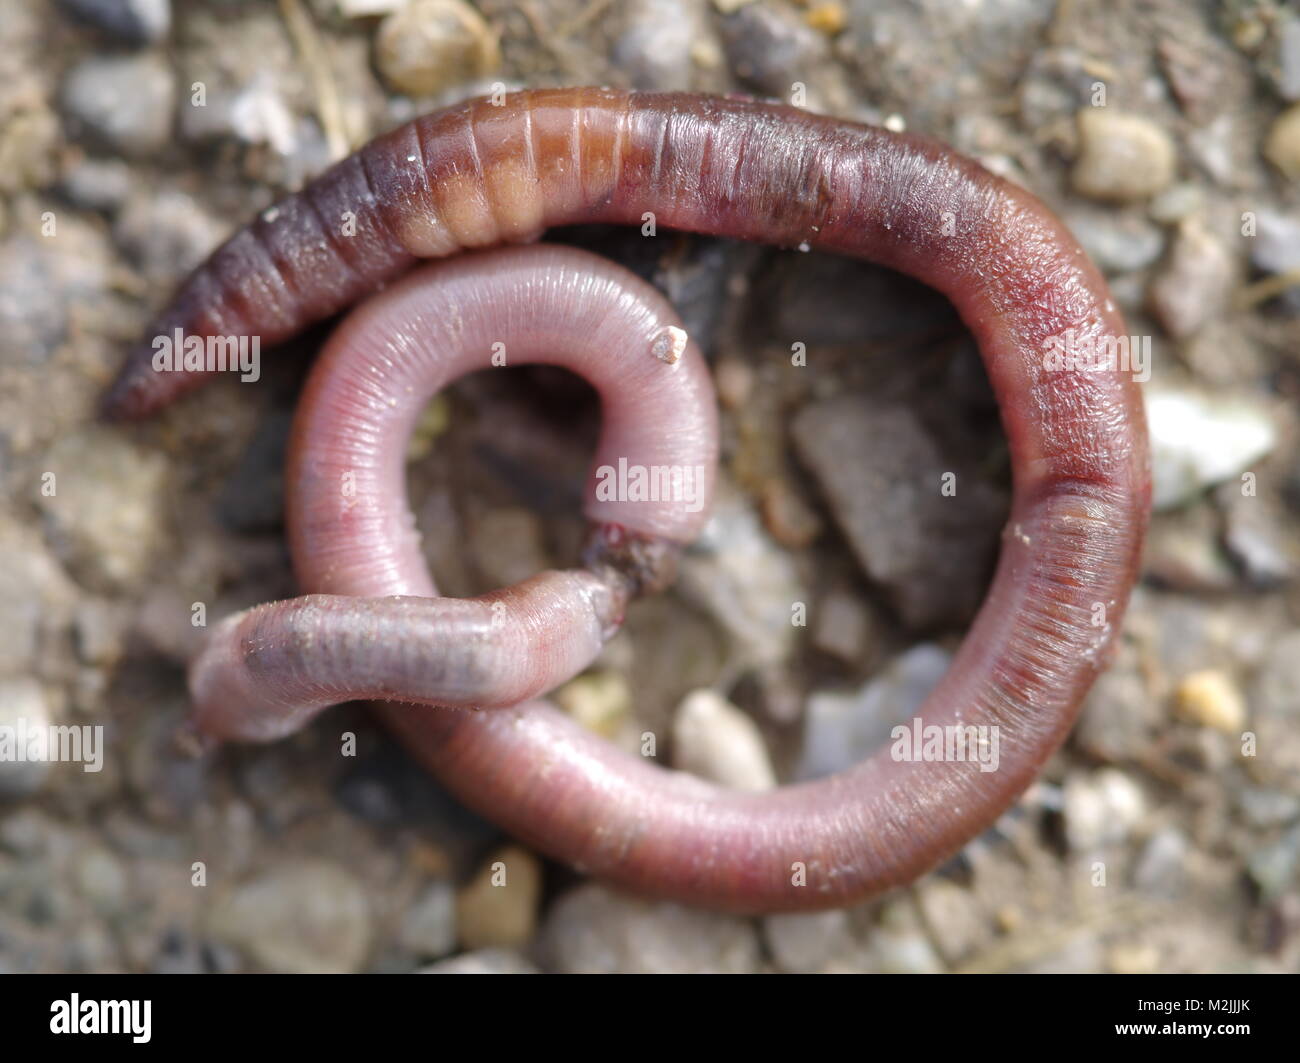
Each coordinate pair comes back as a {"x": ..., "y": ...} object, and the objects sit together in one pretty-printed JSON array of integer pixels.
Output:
[
  {"x": 809, "y": 942},
  {"x": 900, "y": 944},
  {"x": 717, "y": 741},
  {"x": 1198, "y": 441},
  {"x": 22, "y": 709},
  {"x": 593, "y": 930},
  {"x": 1101, "y": 809},
  {"x": 842, "y": 729}
]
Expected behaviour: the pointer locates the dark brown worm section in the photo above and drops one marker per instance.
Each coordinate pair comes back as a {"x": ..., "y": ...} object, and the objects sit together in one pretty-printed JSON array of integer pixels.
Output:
[{"x": 479, "y": 174}]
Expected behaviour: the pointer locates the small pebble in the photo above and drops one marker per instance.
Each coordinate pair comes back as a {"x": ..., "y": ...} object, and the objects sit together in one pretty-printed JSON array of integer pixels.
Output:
[
  {"x": 369, "y": 8},
  {"x": 35, "y": 596},
  {"x": 1118, "y": 241},
  {"x": 1133, "y": 959},
  {"x": 790, "y": 520},
  {"x": 1118, "y": 718},
  {"x": 499, "y": 906},
  {"x": 124, "y": 102},
  {"x": 717, "y": 741},
  {"x": 734, "y": 380},
  {"x": 900, "y": 944},
  {"x": 1211, "y": 699},
  {"x": 771, "y": 48},
  {"x": 101, "y": 879},
  {"x": 593, "y": 930},
  {"x": 1282, "y": 146},
  {"x": 827, "y": 17},
  {"x": 100, "y": 631},
  {"x": 130, "y": 21},
  {"x": 1263, "y": 808},
  {"x": 1101, "y": 809},
  {"x": 301, "y": 917},
  {"x": 841, "y": 626},
  {"x": 655, "y": 48},
  {"x": 428, "y": 927},
  {"x": 1162, "y": 866},
  {"x": 1275, "y": 713},
  {"x": 1256, "y": 538},
  {"x": 98, "y": 184},
  {"x": 1217, "y": 147},
  {"x": 1288, "y": 58},
  {"x": 23, "y": 710},
  {"x": 1193, "y": 285},
  {"x": 952, "y": 914},
  {"x": 1122, "y": 158},
  {"x": 430, "y": 46},
  {"x": 747, "y": 584},
  {"x": 105, "y": 509},
  {"x": 808, "y": 942},
  {"x": 1275, "y": 247},
  {"x": 1274, "y": 867},
  {"x": 842, "y": 729},
  {"x": 1176, "y": 203},
  {"x": 930, "y": 548}
]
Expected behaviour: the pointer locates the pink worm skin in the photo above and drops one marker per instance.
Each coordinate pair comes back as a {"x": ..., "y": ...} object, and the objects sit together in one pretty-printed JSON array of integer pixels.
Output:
[
  {"x": 266, "y": 671},
  {"x": 480, "y": 174}
]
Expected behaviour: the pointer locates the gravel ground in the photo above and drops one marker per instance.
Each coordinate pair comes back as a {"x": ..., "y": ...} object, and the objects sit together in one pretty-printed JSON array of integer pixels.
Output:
[{"x": 135, "y": 135}]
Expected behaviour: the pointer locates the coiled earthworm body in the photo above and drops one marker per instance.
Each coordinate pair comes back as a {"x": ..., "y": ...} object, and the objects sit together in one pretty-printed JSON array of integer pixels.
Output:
[
  {"x": 481, "y": 174},
  {"x": 265, "y": 671}
]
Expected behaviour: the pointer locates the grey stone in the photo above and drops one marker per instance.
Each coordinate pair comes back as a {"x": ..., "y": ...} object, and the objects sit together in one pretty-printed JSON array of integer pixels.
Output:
[
  {"x": 130, "y": 21},
  {"x": 1119, "y": 242},
  {"x": 428, "y": 927},
  {"x": 122, "y": 102},
  {"x": 1161, "y": 868},
  {"x": 1192, "y": 286},
  {"x": 658, "y": 46},
  {"x": 884, "y": 478}
]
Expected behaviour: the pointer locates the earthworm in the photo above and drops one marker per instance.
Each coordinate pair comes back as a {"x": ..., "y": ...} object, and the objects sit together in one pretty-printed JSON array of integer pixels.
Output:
[
  {"x": 488, "y": 172},
  {"x": 266, "y": 671}
]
